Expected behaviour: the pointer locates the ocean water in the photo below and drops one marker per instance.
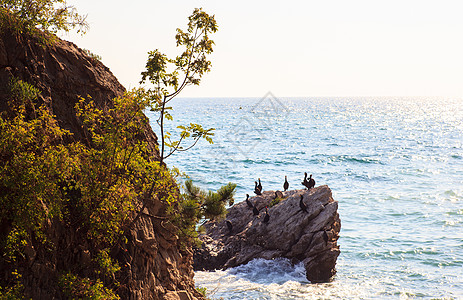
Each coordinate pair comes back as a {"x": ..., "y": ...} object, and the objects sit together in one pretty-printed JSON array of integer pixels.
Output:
[{"x": 394, "y": 164}]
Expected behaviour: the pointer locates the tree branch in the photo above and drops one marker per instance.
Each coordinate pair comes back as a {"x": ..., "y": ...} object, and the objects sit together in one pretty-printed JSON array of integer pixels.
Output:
[
  {"x": 182, "y": 86},
  {"x": 176, "y": 147}
]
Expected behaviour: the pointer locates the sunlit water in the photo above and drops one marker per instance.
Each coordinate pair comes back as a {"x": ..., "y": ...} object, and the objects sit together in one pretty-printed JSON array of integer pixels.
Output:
[{"x": 394, "y": 165}]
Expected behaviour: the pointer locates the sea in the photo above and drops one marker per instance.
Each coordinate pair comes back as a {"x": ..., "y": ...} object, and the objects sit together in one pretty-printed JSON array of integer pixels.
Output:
[{"x": 395, "y": 165}]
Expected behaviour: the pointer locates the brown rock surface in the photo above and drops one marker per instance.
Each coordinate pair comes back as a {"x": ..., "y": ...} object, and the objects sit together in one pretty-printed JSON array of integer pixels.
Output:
[
  {"x": 310, "y": 237},
  {"x": 154, "y": 265},
  {"x": 62, "y": 72}
]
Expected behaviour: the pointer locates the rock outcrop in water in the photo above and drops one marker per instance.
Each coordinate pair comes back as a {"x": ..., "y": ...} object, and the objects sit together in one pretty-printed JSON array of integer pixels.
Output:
[
  {"x": 154, "y": 264},
  {"x": 310, "y": 237}
]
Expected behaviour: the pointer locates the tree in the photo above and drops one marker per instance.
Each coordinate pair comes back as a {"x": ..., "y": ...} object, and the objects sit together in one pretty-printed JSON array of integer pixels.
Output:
[
  {"x": 188, "y": 68},
  {"x": 46, "y": 15},
  {"x": 196, "y": 204}
]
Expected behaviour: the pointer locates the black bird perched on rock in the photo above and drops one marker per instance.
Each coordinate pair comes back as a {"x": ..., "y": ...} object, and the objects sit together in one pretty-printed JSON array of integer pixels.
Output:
[
  {"x": 257, "y": 191},
  {"x": 255, "y": 211},
  {"x": 286, "y": 184},
  {"x": 229, "y": 225},
  {"x": 302, "y": 205},
  {"x": 248, "y": 202},
  {"x": 311, "y": 182},
  {"x": 259, "y": 186},
  {"x": 267, "y": 216},
  {"x": 305, "y": 182}
]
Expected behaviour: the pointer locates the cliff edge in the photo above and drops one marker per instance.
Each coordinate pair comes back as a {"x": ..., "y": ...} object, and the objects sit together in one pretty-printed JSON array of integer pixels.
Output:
[{"x": 153, "y": 263}]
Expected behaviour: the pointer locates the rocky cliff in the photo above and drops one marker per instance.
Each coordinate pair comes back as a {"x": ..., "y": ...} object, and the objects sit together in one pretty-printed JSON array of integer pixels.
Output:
[
  {"x": 62, "y": 72},
  {"x": 308, "y": 235},
  {"x": 154, "y": 265}
]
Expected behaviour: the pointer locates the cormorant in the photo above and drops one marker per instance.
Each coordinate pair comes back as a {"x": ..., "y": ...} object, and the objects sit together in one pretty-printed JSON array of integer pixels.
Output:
[
  {"x": 302, "y": 205},
  {"x": 259, "y": 186},
  {"x": 257, "y": 191},
  {"x": 229, "y": 225},
  {"x": 311, "y": 182},
  {"x": 248, "y": 202},
  {"x": 305, "y": 182},
  {"x": 267, "y": 216},
  {"x": 286, "y": 184},
  {"x": 255, "y": 211}
]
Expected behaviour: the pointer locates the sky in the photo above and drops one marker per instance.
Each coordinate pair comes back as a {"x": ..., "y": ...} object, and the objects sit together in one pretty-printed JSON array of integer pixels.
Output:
[{"x": 331, "y": 48}]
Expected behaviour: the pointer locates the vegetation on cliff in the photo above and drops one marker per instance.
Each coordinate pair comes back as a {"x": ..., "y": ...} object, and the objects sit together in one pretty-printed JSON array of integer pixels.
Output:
[
  {"x": 90, "y": 185},
  {"x": 95, "y": 187},
  {"x": 188, "y": 68},
  {"x": 34, "y": 16}
]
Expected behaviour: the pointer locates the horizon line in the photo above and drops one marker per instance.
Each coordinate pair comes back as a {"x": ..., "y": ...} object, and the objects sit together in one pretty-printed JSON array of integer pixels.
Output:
[{"x": 349, "y": 96}]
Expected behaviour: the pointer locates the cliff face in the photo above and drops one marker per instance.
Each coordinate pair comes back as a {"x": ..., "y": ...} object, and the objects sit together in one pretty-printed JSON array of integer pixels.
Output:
[
  {"x": 154, "y": 265},
  {"x": 62, "y": 72}
]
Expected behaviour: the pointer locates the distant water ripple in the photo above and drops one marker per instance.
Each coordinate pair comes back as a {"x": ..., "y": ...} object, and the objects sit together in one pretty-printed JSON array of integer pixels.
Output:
[{"x": 394, "y": 165}]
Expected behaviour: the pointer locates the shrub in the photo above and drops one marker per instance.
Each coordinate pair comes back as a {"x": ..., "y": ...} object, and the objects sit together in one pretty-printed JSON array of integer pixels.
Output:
[{"x": 45, "y": 15}]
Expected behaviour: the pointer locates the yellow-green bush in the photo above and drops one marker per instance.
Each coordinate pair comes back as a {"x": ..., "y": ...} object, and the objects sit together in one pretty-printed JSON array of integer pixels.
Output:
[
  {"x": 41, "y": 15},
  {"x": 94, "y": 185}
]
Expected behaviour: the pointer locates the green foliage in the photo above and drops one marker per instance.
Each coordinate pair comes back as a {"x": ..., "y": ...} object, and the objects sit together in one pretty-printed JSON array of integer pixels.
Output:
[
  {"x": 14, "y": 244},
  {"x": 92, "y": 55},
  {"x": 108, "y": 166},
  {"x": 31, "y": 162},
  {"x": 275, "y": 201},
  {"x": 45, "y": 15},
  {"x": 211, "y": 205},
  {"x": 117, "y": 170},
  {"x": 22, "y": 93},
  {"x": 95, "y": 187},
  {"x": 85, "y": 288},
  {"x": 107, "y": 265},
  {"x": 188, "y": 68},
  {"x": 196, "y": 204},
  {"x": 13, "y": 290},
  {"x": 202, "y": 290},
  {"x": 192, "y": 62}
]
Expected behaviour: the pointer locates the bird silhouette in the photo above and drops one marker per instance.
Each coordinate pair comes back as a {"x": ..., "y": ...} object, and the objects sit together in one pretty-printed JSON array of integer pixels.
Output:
[
  {"x": 311, "y": 182},
  {"x": 305, "y": 182},
  {"x": 259, "y": 186},
  {"x": 257, "y": 191},
  {"x": 302, "y": 205},
  {"x": 248, "y": 202},
  {"x": 286, "y": 184},
  {"x": 267, "y": 216}
]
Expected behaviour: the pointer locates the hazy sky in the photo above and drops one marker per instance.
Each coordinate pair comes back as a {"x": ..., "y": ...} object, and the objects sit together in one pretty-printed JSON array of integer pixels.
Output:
[{"x": 292, "y": 48}]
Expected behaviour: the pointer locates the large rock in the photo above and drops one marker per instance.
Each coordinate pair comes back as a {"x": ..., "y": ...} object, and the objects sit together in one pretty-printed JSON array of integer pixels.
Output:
[{"x": 310, "y": 237}]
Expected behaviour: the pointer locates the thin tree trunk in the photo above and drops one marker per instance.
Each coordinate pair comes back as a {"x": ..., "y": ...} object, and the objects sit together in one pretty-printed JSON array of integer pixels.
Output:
[{"x": 162, "y": 129}]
